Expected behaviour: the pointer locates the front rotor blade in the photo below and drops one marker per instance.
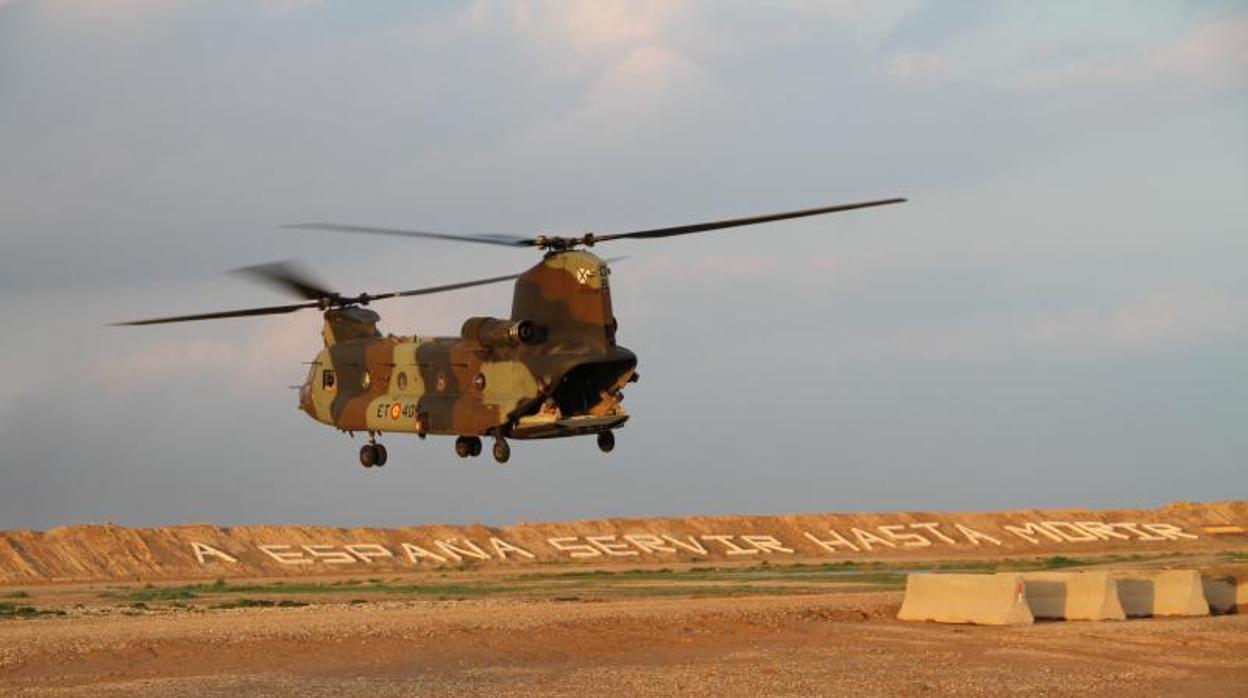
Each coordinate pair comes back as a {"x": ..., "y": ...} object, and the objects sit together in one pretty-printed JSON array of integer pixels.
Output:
[
  {"x": 490, "y": 239},
  {"x": 245, "y": 312},
  {"x": 439, "y": 289},
  {"x": 454, "y": 287},
  {"x": 289, "y": 277},
  {"x": 736, "y": 222}
]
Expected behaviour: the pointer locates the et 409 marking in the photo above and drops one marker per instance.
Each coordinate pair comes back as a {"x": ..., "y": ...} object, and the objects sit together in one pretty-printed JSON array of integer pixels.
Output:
[{"x": 396, "y": 410}]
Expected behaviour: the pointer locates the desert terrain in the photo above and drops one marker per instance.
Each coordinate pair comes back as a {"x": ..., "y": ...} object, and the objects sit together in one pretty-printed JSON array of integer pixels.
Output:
[{"x": 765, "y": 623}]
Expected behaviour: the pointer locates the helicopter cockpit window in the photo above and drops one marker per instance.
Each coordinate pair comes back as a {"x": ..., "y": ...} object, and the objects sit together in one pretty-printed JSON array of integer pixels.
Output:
[{"x": 327, "y": 379}]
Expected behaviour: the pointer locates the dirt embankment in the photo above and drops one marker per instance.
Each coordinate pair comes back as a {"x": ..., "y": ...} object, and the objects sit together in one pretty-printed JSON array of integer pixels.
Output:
[{"x": 102, "y": 552}]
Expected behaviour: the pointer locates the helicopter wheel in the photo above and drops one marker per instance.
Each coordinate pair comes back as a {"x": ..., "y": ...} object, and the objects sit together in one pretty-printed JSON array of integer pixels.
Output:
[
  {"x": 475, "y": 444},
  {"x": 463, "y": 446},
  {"x": 606, "y": 441},
  {"x": 502, "y": 451},
  {"x": 381, "y": 455},
  {"x": 368, "y": 455}
]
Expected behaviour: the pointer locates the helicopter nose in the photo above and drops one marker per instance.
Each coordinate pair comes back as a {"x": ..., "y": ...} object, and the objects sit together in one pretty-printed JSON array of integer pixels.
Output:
[{"x": 305, "y": 398}]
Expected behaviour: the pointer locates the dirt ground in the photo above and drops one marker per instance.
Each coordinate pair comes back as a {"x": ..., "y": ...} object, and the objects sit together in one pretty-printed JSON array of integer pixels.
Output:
[{"x": 829, "y": 642}]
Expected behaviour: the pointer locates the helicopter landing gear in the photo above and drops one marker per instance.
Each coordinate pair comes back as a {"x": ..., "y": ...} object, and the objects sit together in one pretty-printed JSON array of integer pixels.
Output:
[
  {"x": 606, "y": 441},
  {"x": 502, "y": 451},
  {"x": 372, "y": 455},
  {"x": 467, "y": 446}
]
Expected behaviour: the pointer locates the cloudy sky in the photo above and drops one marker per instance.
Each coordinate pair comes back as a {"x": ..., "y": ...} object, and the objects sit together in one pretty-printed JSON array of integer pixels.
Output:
[{"x": 1059, "y": 317}]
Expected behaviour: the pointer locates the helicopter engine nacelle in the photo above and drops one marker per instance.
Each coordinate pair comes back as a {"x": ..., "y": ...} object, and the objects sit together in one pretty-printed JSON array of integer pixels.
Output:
[{"x": 496, "y": 332}]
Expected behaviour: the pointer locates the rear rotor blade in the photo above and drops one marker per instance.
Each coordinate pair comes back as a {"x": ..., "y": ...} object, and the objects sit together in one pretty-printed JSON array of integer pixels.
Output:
[
  {"x": 737, "y": 222},
  {"x": 327, "y": 299},
  {"x": 245, "y": 312},
  {"x": 487, "y": 239},
  {"x": 289, "y": 277}
]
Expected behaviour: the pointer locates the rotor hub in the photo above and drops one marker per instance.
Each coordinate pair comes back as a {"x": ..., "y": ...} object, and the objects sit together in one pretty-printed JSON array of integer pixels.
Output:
[{"x": 560, "y": 243}]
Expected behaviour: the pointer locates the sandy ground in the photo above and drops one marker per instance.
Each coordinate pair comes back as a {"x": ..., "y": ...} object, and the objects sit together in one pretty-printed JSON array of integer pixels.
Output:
[{"x": 821, "y": 644}]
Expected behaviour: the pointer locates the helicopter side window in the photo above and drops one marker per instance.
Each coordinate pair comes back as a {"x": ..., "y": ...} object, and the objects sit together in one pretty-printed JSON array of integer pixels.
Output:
[{"x": 327, "y": 379}]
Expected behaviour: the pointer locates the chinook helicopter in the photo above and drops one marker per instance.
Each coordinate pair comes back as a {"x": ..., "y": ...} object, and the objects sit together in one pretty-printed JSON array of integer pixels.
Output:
[{"x": 552, "y": 369}]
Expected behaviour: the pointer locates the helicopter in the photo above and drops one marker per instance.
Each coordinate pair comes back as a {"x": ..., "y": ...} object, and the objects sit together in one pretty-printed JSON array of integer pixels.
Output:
[{"x": 552, "y": 369}]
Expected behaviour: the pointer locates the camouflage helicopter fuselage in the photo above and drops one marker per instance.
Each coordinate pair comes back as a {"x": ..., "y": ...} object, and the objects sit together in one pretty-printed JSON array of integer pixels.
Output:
[{"x": 552, "y": 369}]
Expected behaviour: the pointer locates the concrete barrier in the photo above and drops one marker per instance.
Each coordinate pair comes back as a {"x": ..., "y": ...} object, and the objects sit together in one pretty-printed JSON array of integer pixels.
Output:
[
  {"x": 1073, "y": 595},
  {"x": 1146, "y": 593},
  {"x": 1221, "y": 593},
  {"x": 982, "y": 599}
]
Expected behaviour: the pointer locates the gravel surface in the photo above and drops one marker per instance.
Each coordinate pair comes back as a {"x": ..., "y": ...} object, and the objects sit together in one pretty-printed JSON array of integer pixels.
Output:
[{"x": 833, "y": 644}]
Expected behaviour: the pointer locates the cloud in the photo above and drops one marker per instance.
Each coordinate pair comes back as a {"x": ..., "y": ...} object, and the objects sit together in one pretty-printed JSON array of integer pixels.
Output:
[
  {"x": 641, "y": 99},
  {"x": 868, "y": 22},
  {"x": 111, "y": 16},
  {"x": 585, "y": 26},
  {"x": 824, "y": 262},
  {"x": 146, "y": 165},
  {"x": 923, "y": 67},
  {"x": 622, "y": 43},
  {"x": 597, "y": 25},
  {"x": 1210, "y": 58},
  {"x": 750, "y": 265},
  {"x": 270, "y": 356},
  {"x": 1162, "y": 319},
  {"x": 648, "y": 73},
  {"x": 280, "y": 8}
]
